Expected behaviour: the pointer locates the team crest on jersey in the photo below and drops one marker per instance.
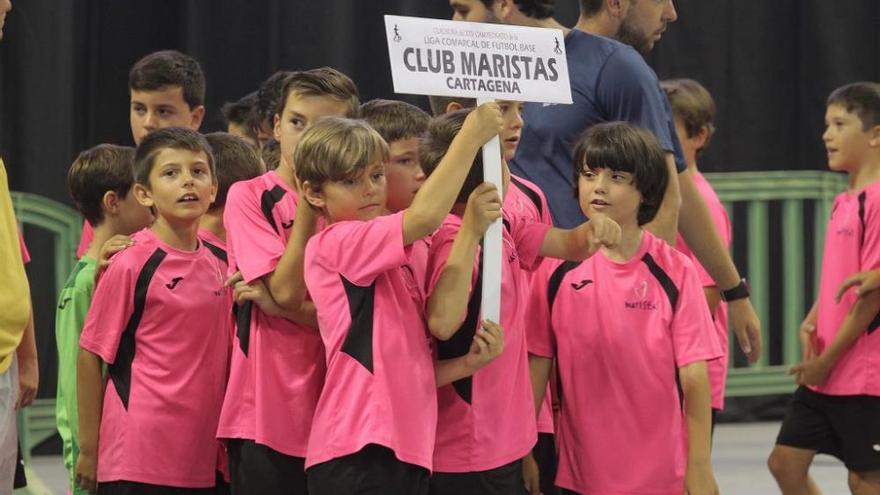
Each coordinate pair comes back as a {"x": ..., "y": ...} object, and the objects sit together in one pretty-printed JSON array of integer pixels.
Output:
[{"x": 640, "y": 291}]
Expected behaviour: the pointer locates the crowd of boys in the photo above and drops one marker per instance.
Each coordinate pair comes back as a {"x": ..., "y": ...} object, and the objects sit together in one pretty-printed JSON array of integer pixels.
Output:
[{"x": 293, "y": 306}]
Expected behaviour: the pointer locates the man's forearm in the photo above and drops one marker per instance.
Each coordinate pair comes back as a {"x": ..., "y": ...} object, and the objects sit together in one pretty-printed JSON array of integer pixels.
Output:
[{"x": 698, "y": 229}]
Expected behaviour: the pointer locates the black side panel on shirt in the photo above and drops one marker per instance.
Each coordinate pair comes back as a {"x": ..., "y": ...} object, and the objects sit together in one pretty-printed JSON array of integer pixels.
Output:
[
  {"x": 359, "y": 340},
  {"x": 665, "y": 282},
  {"x": 268, "y": 201},
  {"x": 218, "y": 252},
  {"x": 552, "y": 289},
  {"x": 460, "y": 343},
  {"x": 556, "y": 280},
  {"x": 533, "y": 196},
  {"x": 862, "y": 198},
  {"x": 874, "y": 325},
  {"x": 120, "y": 370},
  {"x": 243, "y": 315}
]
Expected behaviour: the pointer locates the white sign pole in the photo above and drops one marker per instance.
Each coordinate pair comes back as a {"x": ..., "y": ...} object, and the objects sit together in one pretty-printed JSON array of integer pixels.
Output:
[
  {"x": 492, "y": 247},
  {"x": 488, "y": 62}
]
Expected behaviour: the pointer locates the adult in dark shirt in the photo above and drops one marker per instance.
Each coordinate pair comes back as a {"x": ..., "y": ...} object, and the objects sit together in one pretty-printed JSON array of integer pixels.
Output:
[{"x": 610, "y": 81}]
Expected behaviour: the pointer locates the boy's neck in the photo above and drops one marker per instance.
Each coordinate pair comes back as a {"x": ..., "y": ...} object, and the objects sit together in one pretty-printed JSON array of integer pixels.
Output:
[
  {"x": 103, "y": 232},
  {"x": 182, "y": 235},
  {"x": 287, "y": 173},
  {"x": 630, "y": 242},
  {"x": 866, "y": 175},
  {"x": 213, "y": 223}
]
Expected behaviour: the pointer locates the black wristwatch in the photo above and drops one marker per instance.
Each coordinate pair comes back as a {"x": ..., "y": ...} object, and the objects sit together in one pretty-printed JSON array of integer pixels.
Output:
[{"x": 741, "y": 291}]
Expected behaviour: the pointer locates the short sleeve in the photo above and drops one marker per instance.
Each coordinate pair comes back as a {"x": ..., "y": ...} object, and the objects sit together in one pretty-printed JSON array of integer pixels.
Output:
[
  {"x": 539, "y": 332},
  {"x": 438, "y": 253},
  {"x": 361, "y": 251},
  {"x": 693, "y": 333},
  {"x": 629, "y": 91},
  {"x": 528, "y": 237},
  {"x": 250, "y": 236},
  {"x": 870, "y": 245},
  {"x": 111, "y": 308}
]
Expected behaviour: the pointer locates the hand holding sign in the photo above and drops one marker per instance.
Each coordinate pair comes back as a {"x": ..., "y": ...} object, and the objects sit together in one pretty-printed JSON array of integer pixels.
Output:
[
  {"x": 483, "y": 123},
  {"x": 487, "y": 62}
]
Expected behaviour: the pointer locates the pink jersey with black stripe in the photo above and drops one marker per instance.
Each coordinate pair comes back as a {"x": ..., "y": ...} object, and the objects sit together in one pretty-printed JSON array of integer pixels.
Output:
[
  {"x": 159, "y": 319},
  {"x": 380, "y": 386},
  {"x": 852, "y": 244},
  {"x": 717, "y": 367},
  {"x": 488, "y": 420},
  {"x": 277, "y": 366},
  {"x": 532, "y": 206},
  {"x": 619, "y": 332}
]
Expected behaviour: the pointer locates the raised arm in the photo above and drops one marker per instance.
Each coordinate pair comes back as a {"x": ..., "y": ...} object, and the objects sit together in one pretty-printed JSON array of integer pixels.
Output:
[
  {"x": 582, "y": 241},
  {"x": 286, "y": 284},
  {"x": 447, "y": 304}
]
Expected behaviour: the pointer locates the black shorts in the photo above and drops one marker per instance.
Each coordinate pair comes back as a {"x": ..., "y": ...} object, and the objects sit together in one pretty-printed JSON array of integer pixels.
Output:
[
  {"x": 504, "y": 480},
  {"x": 134, "y": 488},
  {"x": 846, "y": 427},
  {"x": 256, "y": 468},
  {"x": 374, "y": 470},
  {"x": 545, "y": 456}
]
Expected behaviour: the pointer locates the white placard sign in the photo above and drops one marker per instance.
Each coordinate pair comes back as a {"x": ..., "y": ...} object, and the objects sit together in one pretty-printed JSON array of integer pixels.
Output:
[
  {"x": 486, "y": 62},
  {"x": 476, "y": 60}
]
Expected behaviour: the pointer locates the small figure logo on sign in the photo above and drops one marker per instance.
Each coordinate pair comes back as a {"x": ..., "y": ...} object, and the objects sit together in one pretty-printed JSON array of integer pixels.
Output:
[
  {"x": 558, "y": 50},
  {"x": 397, "y": 37}
]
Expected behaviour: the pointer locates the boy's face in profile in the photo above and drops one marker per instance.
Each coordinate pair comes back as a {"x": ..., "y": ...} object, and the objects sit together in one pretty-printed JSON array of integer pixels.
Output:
[
  {"x": 611, "y": 193},
  {"x": 300, "y": 112},
  {"x": 181, "y": 186},
  {"x": 161, "y": 108},
  {"x": 403, "y": 173},
  {"x": 513, "y": 123},
  {"x": 358, "y": 198},
  {"x": 846, "y": 142}
]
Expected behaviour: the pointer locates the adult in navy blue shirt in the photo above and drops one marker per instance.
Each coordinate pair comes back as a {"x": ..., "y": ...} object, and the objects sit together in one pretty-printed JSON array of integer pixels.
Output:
[{"x": 611, "y": 81}]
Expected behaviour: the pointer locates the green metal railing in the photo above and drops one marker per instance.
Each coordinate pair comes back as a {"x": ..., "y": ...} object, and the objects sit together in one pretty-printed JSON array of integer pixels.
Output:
[
  {"x": 756, "y": 190},
  {"x": 793, "y": 190},
  {"x": 37, "y": 422}
]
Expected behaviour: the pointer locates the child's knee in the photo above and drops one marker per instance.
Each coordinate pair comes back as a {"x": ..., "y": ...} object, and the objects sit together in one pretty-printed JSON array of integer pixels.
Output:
[
  {"x": 864, "y": 483},
  {"x": 786, "y": 464}
]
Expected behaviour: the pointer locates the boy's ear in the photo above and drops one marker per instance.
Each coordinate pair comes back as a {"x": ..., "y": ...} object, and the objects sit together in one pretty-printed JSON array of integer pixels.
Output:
[
  {"x": 110, "y": 203},
  {"x": 453, "y": 106},
  {"x": 314, "y": 195},
  {"x": 197, "y": 116},
  {"x": 276, "y": 128},
  {"x": 142, "y": 195},
  {"x": 875, "y": 136},
  {"x": 616, "y": 8},
  {"x": 503, "y": 8},
  {"x": 702, "y": 137}
]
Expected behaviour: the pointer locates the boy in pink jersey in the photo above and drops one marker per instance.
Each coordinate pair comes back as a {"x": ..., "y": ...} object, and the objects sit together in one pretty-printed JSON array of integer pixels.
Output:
[
  {"x": 278, "y": 367},
  {"x": 693, "y": 110},
  {"x": 530, "y": 204},
  {"x": 167, "y": 89},
  {"x": 631, "y": 334},
  {"x": 836, "y": 410},
  {"x": 234, "y": 160},
  {"x": 159, "y": 320},
  {"x": 375, "y": 422},
  {"x": 486, "y": 423}
]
